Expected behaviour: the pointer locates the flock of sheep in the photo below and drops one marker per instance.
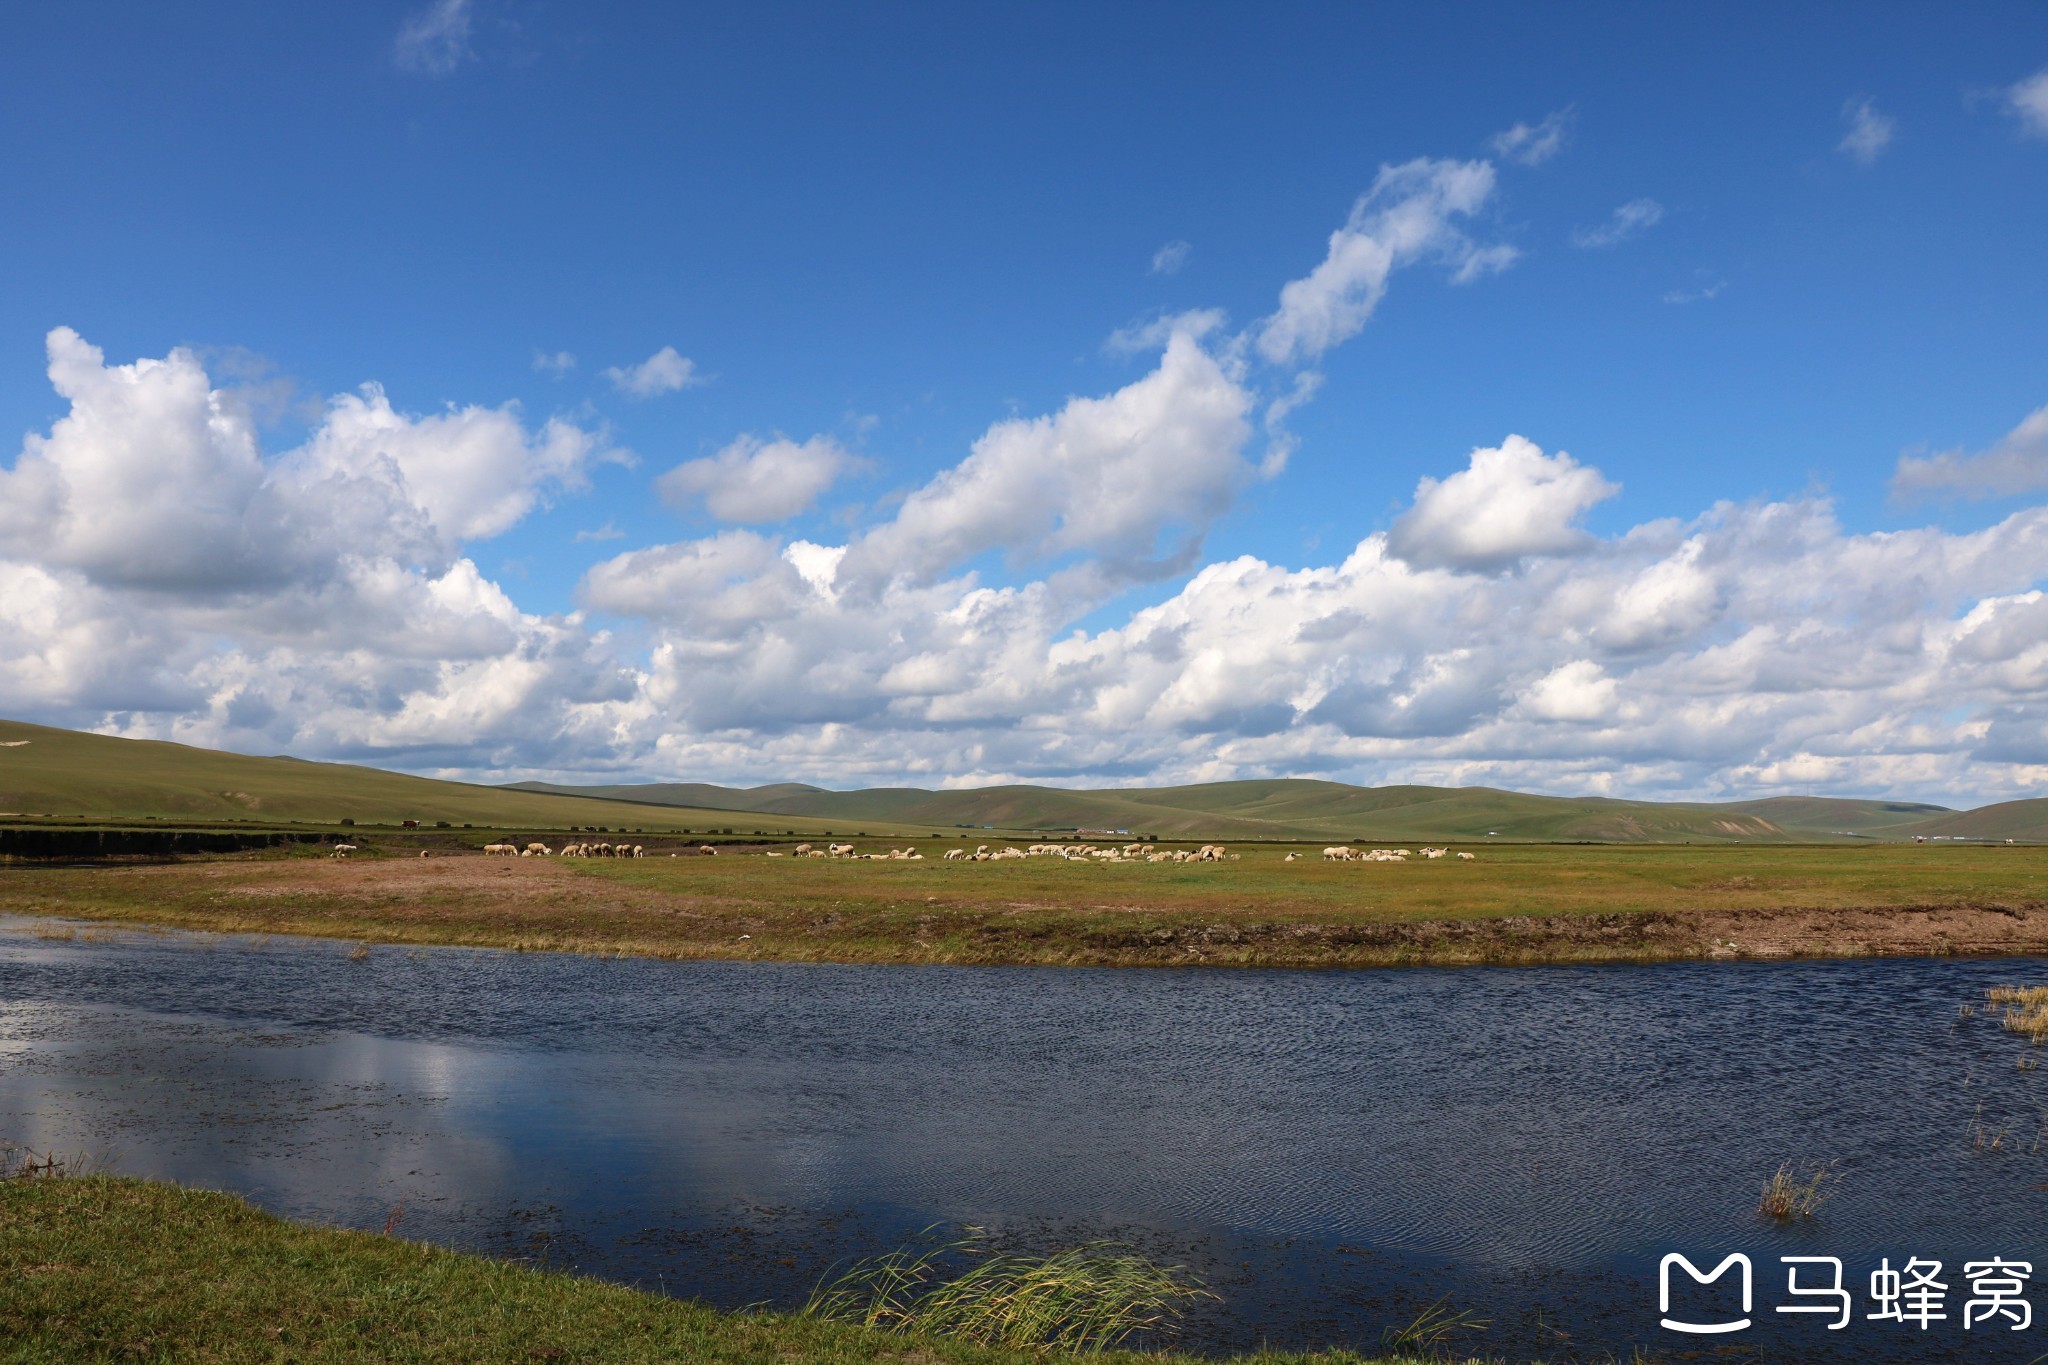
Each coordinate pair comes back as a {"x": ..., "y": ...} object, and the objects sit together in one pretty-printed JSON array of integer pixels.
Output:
[
  {"x": 905, "y": 855},
  {"x": 1340, "y": 853},
  {"x": 540, "y": 850},
  {"x": 1073, "y": 853},
  {"x": 1082, "y": 853}
]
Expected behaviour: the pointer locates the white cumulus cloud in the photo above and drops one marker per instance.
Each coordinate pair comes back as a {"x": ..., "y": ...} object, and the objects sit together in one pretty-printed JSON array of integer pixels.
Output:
[
  {"x": 1510, "y": 502},
  {"x": 665, "y": 371},
  {"x": 757, "y": 481},
  {"x": 1132, "y": 479},
  {"x": 161, "y": 575},
  {"x": 2017, "y": 463}
]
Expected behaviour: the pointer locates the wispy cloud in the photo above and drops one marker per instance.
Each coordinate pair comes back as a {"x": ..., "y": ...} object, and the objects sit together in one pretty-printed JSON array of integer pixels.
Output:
[
  {"x": 1533, "y": 144},
  {"x": 435, "y": 40},
  {"x": 1170, "y": 258},
  {"x": 1150, "y": 334},
  {"x": 604, "y": 532},
  {"x": 1408, "y": 215},
  {"x": 1707, "y": 285},
  {"x": 1870, "y": 132},
  {"x": 557, "y": 363},
  {"x": 2028, "y": 102},
  {"x": 663, "y": 372},
  {"x": 1636, "y": 216}
]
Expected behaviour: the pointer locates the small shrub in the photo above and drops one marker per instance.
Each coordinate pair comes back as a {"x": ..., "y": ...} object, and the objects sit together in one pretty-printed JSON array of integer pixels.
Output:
[{"x": 1789, "y": 1195}]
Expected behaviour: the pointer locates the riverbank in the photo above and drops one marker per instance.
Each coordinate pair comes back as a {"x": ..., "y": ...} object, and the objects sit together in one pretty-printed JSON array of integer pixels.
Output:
[
  {"x": 104, "y": 1268},
  {"x": 1509, "y": 905}
]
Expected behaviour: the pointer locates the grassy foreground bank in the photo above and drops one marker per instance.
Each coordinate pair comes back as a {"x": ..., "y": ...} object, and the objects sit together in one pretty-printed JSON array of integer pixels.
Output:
[
  {"x": 102, "y": 1268},
  {"x": 1514, "y": 904}
]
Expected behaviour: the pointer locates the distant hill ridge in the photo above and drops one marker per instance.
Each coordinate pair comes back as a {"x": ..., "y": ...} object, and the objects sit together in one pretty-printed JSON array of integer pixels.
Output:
[
  {"x": 1314, "y": 808},
  {"x": 72, "y": 774}
]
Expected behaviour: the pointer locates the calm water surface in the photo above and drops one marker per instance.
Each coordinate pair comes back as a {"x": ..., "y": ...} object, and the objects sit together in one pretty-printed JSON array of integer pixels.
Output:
[{"x": 1331, "y": 1149}]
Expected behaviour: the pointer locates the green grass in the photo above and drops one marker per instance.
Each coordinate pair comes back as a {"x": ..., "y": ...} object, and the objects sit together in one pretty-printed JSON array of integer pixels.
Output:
[
  {"x": 1515, "y": 903},
  {"x": 1090, "y": 1298},
  {"x": 1293, "y": 808},
  {"x": 74, "y": 775},
  {"x": 96, "y": 1268}
]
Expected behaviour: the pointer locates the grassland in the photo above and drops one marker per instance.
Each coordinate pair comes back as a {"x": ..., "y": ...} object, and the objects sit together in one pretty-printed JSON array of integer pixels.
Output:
[
  {"x": 95, "y": 1268},
  {"x": 97, "y": 778},
  {"x": 1513, "y": 904},
  {"x": 1298, "y": 808},
  {"x": 76, "y": 776}
]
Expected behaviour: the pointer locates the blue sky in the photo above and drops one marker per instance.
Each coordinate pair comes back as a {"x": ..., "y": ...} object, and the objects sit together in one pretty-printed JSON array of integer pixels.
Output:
[{"x": 888, "y": 229}]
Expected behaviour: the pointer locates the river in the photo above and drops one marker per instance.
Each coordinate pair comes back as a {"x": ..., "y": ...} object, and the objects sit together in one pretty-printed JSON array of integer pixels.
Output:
[{"x": 1331, "y": 1150}]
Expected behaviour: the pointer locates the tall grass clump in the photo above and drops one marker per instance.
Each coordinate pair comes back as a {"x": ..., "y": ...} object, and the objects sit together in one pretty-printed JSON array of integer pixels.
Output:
[
  {"x": 2026, "y": 1009},
  {"x": 23, "y": 1163},
  {"x": 1092, "y": 1297},
  {"x": 1432, "y": 1330},
  {"x": 1788, "y": 1194}
]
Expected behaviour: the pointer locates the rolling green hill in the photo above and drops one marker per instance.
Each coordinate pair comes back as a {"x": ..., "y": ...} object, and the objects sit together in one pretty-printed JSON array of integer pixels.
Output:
[
  {"x": 1310, "y": 809},
  {"x": 72, "y": 774}
]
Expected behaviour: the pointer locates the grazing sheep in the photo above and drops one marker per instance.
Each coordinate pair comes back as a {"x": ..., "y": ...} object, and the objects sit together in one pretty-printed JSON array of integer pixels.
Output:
[
  {"x": 343, "y": 850},
  {"x": 708, "y": 851},
  {"x": 501, "y": 850},
  {"x": 538, "y": 849},
  {"x": 803, "y": 850},
  {"x": 1338, "y": 854},
  {"x": 1468, "y": 857},
  {"x": 426, "y": 853}
]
